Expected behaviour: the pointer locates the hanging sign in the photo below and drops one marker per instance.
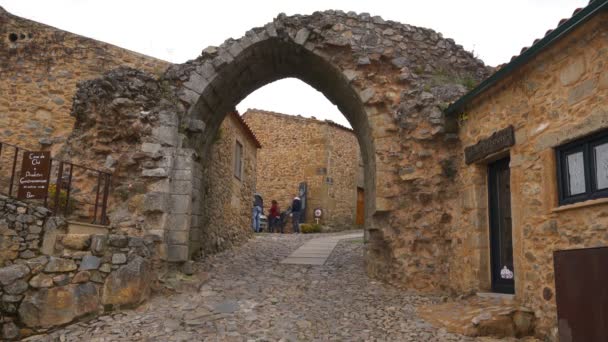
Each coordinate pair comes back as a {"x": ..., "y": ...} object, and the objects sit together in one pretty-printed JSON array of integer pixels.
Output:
[{"x": 35, "y": 171}]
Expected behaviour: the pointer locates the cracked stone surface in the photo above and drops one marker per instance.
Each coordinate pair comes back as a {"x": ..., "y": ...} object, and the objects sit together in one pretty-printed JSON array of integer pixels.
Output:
[{"x": 248, "y": 295}]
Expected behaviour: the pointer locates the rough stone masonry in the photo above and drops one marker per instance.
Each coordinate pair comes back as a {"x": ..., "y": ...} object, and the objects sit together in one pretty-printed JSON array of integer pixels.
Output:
[{"x": 390, "y": 80}]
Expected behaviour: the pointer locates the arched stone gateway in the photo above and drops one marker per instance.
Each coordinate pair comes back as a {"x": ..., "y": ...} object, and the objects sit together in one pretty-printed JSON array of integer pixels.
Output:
[{"x": 391, "y": 82}]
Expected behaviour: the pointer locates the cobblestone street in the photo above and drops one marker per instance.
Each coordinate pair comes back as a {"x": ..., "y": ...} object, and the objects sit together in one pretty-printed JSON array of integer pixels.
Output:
[{"x": 250, "y": 296}]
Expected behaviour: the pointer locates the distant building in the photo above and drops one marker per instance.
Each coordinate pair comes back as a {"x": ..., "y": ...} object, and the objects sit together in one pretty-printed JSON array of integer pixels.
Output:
[
  {"x": 228, "y": 186},
  {"x": 322, "y": 154}
]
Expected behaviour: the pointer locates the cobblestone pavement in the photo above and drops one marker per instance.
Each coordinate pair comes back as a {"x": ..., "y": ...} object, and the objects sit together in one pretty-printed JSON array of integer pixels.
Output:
[{"x": 250, "y": 296}]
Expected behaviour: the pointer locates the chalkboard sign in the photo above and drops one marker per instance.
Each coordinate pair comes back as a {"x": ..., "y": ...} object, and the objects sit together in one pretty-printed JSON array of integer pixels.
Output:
[{"x": 34, "y": 180}]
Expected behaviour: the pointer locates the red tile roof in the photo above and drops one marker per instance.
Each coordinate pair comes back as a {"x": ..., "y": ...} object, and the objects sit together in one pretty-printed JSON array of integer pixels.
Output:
[
  {"x": 579, "y": 16},
  {"x": 246, "y": 127}
]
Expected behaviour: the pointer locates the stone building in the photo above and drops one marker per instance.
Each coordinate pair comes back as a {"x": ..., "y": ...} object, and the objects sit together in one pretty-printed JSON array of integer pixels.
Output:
[
  {"x": 322, "y": 154},
  {"x": 230, "y": 180},
  {"x": 41, "y": 67},
  {"x": 533, "y": 179}
]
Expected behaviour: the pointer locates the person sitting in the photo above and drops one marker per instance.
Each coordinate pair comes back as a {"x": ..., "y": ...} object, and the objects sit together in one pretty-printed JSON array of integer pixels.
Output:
[{"x": 274, "y": 215}]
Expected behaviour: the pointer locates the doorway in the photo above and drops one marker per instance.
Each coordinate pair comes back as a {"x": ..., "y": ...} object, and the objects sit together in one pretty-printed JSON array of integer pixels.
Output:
[
  {"x": 360, "y": 218},
  {"x": 501, "y": 237}
]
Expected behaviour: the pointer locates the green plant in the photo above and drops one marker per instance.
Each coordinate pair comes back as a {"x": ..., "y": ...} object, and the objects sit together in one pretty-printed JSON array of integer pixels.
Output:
[
  {"x": 309, "y": 228},
  {"x": 468, "y": 82},
  {"x": 63, "y": 200}
]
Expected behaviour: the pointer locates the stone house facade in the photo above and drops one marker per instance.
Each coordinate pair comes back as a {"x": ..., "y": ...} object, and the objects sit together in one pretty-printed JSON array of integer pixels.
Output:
[
  {"x": 537, "y": 132},
  {"x": 322, "y": 154},
  {"x": 229, "y": 179}
]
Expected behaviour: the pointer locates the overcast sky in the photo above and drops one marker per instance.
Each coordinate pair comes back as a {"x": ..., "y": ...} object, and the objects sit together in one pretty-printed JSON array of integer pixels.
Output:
[{"x": 179, "y": 30}]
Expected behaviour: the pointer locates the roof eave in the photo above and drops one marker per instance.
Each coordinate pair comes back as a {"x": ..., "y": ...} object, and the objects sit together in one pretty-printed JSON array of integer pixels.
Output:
[{"x": 584, "y": 15}]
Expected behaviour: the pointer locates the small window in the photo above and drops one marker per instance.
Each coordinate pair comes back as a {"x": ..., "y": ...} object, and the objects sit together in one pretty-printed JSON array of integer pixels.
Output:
[
  {"x": 238, "y": 160},
  {"x": 583, "y": 169}
]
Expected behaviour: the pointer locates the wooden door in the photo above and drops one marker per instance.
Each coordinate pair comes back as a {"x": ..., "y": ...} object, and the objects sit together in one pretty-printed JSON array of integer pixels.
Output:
[
  {"x": 501, "y": 239},
  {"x": 360, "y": 220}
]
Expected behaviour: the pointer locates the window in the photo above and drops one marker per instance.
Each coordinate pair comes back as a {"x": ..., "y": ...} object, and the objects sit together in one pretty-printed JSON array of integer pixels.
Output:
[
  {"x": 238, "y": 160},
  {"x": 583, "y": 169}
]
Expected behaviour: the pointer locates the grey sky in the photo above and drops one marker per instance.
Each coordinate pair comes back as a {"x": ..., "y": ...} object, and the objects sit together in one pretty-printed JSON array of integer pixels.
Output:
[{"x": 178, "y": 30}]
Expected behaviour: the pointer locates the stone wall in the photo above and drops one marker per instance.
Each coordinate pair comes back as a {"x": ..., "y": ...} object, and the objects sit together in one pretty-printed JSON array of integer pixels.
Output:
[
  {"x": 559, "y": 96},
  {"x": 227, "y": 200},
  {"x": 50, "y": 276},
  {"x": 41, "y": 67},
  {"x": 322, "y": 154}
]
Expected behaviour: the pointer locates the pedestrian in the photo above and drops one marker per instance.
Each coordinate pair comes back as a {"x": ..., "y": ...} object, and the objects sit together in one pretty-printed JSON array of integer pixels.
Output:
[
  {"x": 296, "y": 211},
  {"x": 258, "y": 209},
  {"x": 274, "y": 215}
]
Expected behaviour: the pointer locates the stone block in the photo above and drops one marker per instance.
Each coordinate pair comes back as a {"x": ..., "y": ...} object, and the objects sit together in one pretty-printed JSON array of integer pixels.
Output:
[
  {"x": 166, "y": 135},
  {"x": 156, "y": 202},
  {"x": 194, "y": 126},
  {"x": 60, "y": 305},
  {"x": 178, "y": 222},
  {"x": 135, "y": 241},
  {"x": 57, "y": 265},
  {"x": 129, "y": 285},
  {"x": 10, "y": 331},
  {"x": 181, "y": 204},
  {"x": 16, "y": 288},
  {"x": 182, "y": 175},
  {"x": 302, "y": 36},
  {"x": 182, "y": 187},
  {"x": 105, "y": 268},
  {"x": 37, "y": 264},
  {"x": 188, "y": 96},
  {"x": 98, "y": 244},
  {"x": 177, "y": 253},
  {"x": 116, "y": 240},
  {"x": 119, "y": 258},
  {"x": 79, "y": 242},
  {"x": 41, "y": 280},
  {"x": 367, "y": 94},
  {"x": 89, "y": 262},
  {"x": 582, "y": 91},
  {"x": 196, "y": 83},
  {"x": 154, "y": 173},
  {"x": 13, "y": 272},
  {"x": 167, "y": 118},
  {"x": 572, "y": 71},
  {"x": 178, "y": 237},
  {"x": 151, "y": 148},
  {"x": 206, "y": 70},
  {"x": 81, "y": 277}
]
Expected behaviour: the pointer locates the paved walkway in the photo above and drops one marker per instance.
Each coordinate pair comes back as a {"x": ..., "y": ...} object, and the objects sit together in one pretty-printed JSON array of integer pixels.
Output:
[
  {"x": 247, "y": 294},
  {"x": 316, "y": 251}
]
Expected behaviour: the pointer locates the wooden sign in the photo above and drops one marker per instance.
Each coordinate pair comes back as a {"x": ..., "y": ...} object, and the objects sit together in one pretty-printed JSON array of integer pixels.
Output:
[
  {"x": 485, "y": 147},
  {"x": 35, "y": 171}
]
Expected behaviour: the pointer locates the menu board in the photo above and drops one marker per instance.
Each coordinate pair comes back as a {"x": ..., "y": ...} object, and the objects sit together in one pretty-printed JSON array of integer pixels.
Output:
[{"x": 34, "y": 180}]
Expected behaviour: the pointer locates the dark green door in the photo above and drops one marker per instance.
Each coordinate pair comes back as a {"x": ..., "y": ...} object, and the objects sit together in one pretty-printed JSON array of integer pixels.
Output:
[{"x": 501, "y": 238}]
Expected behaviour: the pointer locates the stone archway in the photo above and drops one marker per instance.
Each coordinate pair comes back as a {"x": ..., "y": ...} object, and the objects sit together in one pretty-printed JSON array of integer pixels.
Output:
[{"x": 391, "y": 82}]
